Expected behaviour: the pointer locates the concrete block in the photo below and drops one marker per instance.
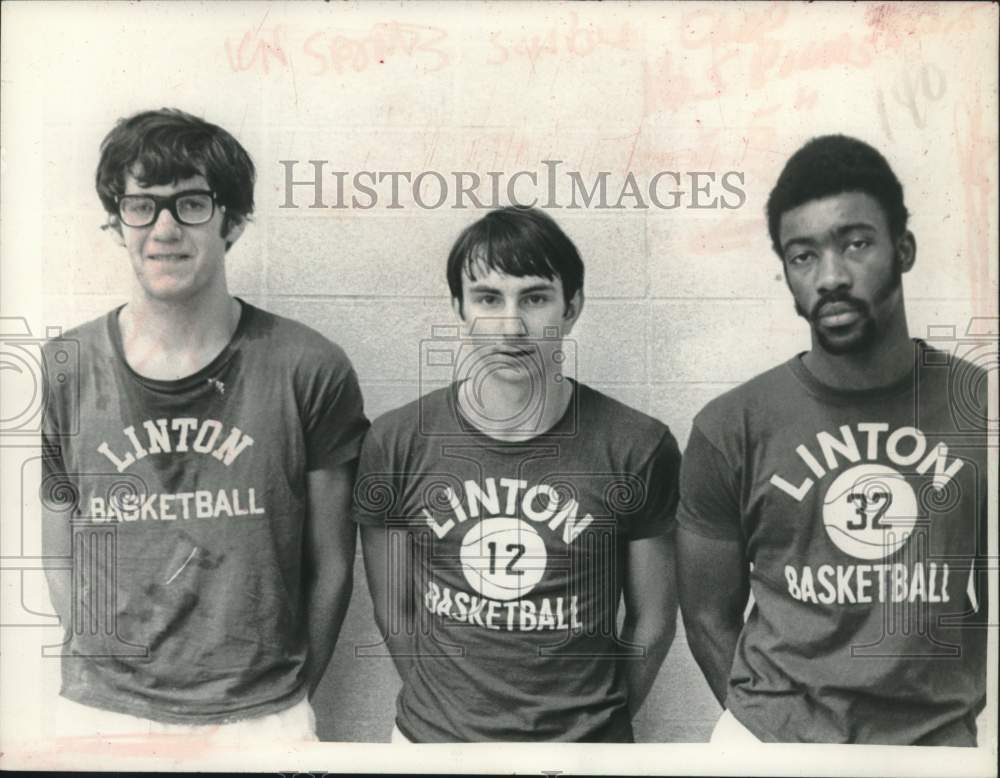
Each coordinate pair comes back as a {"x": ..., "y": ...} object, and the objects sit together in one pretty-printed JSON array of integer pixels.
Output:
[
  {"x": 717, "y": 254},
  {"x": 675, "y": 404},
  {"x": 326, "y": 253},
  {"x": 722, "y": 340},
  {"x": 382, "y": 338},
  {"x": 611, "y": 340}
]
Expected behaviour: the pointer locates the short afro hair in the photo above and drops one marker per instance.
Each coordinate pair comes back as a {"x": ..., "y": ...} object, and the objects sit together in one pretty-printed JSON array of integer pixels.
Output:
[{"x": 830, "y": 165}]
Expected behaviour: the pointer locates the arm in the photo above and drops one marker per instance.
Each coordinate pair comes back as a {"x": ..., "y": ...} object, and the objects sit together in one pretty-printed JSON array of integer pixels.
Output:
[
  {"x": 388, "y": 568},
  {"x": 714, "y": 585},
  {"x": 650, "y": 610},
  {"x": 58, "y": 495},
  {"x": 330, "y": 544},
  {"x": 56, "y": 548}
]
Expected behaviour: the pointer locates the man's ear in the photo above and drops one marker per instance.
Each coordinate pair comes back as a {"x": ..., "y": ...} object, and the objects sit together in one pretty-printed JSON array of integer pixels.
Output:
[
  {"x": 906, "y": 247},
  {"x": 572, "y": 312},
  {"x": 236, "y": 228},
  {"x": 113, "y": 228}
]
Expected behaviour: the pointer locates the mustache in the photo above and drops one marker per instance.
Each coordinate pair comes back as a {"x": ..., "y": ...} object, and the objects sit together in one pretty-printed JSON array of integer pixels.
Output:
[{"x": 838, "y": 296}]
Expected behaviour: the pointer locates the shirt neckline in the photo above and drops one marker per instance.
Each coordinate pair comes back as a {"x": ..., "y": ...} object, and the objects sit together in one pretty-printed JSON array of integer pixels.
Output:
[
  {"x": 839, "y": 395},
  {"x": 465, "y": 427},
  {"x": 186, "y": 383}
]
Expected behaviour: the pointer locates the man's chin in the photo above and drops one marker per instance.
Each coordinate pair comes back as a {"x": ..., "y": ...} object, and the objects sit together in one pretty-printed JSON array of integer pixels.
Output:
[
  {"x": 172, "y": 287},
  {"x": 855, "y": 339},
  {"x": 168, "y": 293},
  {"x": 513, "y": 372}
]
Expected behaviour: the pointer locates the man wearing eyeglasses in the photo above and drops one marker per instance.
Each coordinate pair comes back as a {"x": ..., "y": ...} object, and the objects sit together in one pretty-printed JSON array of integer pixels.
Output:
[{"x": 201, "y": 499}]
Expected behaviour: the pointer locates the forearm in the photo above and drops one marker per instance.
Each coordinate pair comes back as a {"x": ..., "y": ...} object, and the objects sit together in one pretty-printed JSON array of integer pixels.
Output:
[
  {"x": 396, "y": 620},
  {"x": 713, "y": 645},
  {"x": 389, "y": 570},
  {"x": 401, "y": 646},
  {"x": 655, "y": 638},
  {"x": 328, "y": 603},
  {"x": 57, "y": 549},
  {"x": 61, "y": 594}
]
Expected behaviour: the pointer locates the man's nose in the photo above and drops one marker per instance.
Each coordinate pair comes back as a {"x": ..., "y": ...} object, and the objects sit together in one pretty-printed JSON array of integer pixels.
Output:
[
  {"x": 166, "y": 227},
  {"x": 833, "y": 272},
  {"x": 511, "y": 323},
  {"x": 506, "y": 325}
]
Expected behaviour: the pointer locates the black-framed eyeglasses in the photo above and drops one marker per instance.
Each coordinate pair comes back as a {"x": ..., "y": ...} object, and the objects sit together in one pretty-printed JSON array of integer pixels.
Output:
[{"x": 191, "y": 207}]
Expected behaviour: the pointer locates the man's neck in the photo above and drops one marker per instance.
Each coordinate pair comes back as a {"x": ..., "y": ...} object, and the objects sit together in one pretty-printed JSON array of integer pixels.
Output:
[
  {"x": 498, "y": 399},
  {"x": 167, "y": 341},
  {"x": 886, "y": 362}
]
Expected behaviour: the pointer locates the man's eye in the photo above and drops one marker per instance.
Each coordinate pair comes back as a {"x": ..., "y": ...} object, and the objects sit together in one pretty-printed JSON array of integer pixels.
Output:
[
  {"x": 859, "y": 244},
  {"x": 139, "y": 207},
  {"x": 192, "y": 205},
  {"x": 799, "y": 259},
  {"x": 536, "y": 299},
  {"x": 486, "y": 299}
]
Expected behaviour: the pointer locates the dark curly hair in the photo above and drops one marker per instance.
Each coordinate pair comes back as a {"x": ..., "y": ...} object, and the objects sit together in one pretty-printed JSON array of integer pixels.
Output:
[
  {"x": 160, "y": 147},
  {"x": 830, "y": 165}
]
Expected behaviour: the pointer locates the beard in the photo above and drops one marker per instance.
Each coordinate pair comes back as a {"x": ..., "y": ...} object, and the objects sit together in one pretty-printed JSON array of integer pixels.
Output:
[{"x": 863, "y": 333}]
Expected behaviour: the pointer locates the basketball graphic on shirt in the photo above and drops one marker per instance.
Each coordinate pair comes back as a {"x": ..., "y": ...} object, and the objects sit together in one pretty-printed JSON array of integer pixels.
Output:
[
  {"x": 869, "y": 511},
  {"x": 503, "y": 558}
]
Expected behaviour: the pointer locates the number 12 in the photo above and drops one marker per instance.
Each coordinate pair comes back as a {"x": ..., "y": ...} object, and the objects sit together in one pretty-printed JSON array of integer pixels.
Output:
[{"x": 518, "y": 550}]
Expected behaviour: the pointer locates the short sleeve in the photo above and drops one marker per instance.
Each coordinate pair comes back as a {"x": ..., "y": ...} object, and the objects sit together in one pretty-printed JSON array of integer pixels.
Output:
[
  {"x": 51, "y": 427},
  {"x": 334, "y": 417},
  {"x": 709, "y": 502},
  {"x": 656, "y": 490},
  {"x": 375, "y": 486}
]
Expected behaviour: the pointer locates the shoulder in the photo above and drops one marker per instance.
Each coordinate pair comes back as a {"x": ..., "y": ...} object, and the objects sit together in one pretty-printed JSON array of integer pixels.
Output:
[
  {"x": 406, "y": 432},
  {"x": 731, "y": 408},
  {"x": 69, "y": 360},
  {"x": 62, "y": 354},
  {"x": 87, "y": 335},
  {"x": 595, "y": 406},
  {"x": 402, "y": 427},
  {"x": 292, "y": 342},
  {"x": 630, "y": 433},
  {"x": 956, "y": 381},
  {"x": 970, "y": 366}
]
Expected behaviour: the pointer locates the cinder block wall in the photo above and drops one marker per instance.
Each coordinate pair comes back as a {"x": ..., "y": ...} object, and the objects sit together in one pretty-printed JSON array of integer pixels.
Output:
[{"x": 681, "y": 304}]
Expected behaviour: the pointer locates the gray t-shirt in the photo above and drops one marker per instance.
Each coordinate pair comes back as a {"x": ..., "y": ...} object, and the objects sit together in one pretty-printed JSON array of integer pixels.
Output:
[
  {"x": 519, "y": 557},
  {"x": 863, "y": 514},
  {"x": 188, "y": 501}
]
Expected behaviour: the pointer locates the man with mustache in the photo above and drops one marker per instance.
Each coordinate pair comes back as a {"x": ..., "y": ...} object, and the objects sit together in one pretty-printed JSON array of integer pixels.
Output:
[{"x": 845, "y": 489}]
